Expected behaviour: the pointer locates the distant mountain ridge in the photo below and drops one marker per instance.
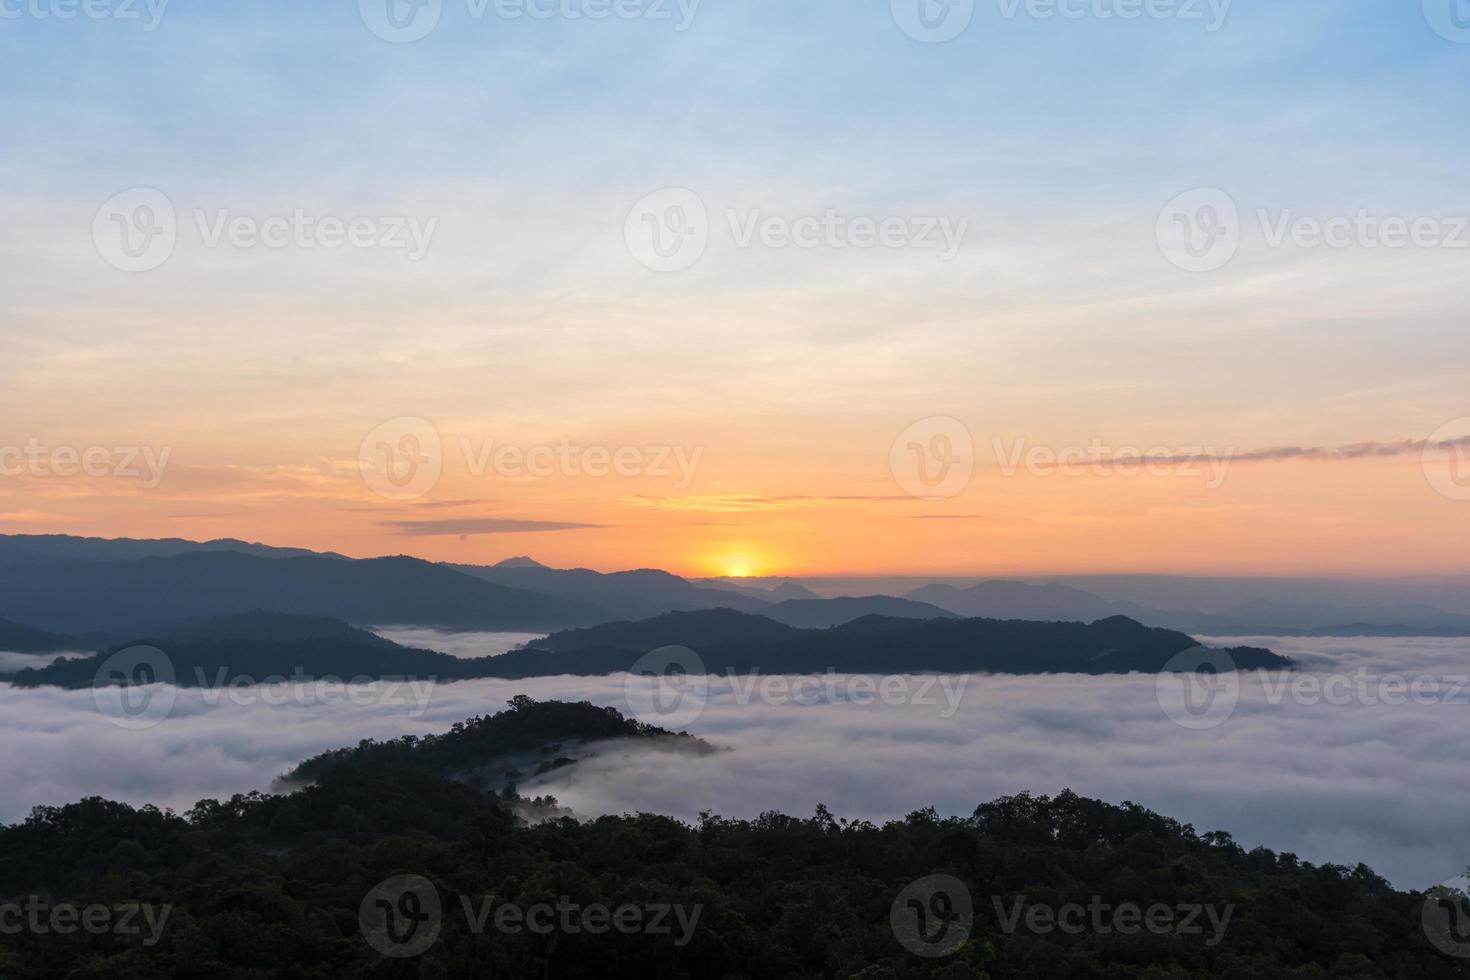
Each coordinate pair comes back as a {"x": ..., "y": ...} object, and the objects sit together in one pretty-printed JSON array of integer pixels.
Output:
[
  {"x": 99, "y": 588},
  {"x": 633, "y": 594},
  {"x": 822, "y": 613},
  {"x": 67, "y": 547},
  {"x": 128, "y": 595},
  {"x": 1054, "y": 602},
  {"x": 19, "y": 638},
  {"x": 257, "y": 647},
  {"x": 873, "y": 644}
]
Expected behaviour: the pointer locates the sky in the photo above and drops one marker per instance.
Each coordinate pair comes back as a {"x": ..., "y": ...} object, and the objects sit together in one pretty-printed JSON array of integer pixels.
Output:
[{"x": 744, "y": 288}]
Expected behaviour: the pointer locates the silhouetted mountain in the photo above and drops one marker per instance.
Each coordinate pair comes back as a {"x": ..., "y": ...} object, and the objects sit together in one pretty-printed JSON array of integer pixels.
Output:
[
  {"x": 821, "y": 613},
  {"x": 257, "y": 647},
  {"x": 1000, "y": 599},
  {"x": 705, "y": 628},
  {"x": 1268, "y": 616},
  {"x": 874, "y": 645},
  {"x": 249, "y": 657},
  {"x": 520, "y": 561},
  {"x": 273, "y": 627},
  {"x": 123, "y": 597},
  {"x": 633, "y": 594},
  {"x": 18, "y": 638},
  {"x": 32, "y": 548},
  {"x": 1053, "y": 602},
  {"x": 790, "y": 590},
  {"x": 530, "y": 738}
]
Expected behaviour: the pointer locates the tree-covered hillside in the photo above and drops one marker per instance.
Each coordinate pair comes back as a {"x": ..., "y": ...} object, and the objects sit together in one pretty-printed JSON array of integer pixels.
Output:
[{"x": 286, "y": 886}]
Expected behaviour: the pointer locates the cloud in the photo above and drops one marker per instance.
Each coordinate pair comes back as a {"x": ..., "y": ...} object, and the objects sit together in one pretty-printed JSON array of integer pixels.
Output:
[
  {"x": 1350, "y": 451},
  {"x": 742, "y": 502},
  {"x": 482, "y": 525},
  {"x": 1327, "y": 782}
]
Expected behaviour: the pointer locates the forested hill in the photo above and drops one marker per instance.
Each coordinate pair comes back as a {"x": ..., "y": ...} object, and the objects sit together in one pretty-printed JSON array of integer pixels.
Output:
[
  {"x": 262, "y": 646},
  {"x": 276, "y": 886}
]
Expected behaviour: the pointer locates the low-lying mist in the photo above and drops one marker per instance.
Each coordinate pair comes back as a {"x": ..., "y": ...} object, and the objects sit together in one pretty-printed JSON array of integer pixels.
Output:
[{"x": 1331, "y": 779}]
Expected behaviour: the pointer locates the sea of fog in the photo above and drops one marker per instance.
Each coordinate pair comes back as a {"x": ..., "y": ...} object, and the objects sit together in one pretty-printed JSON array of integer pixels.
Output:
[{"x": 1361, "y": 759}]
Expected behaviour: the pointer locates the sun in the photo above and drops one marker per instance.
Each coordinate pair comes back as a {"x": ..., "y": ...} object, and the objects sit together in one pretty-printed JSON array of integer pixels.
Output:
[{"x": 736, "y": 560}]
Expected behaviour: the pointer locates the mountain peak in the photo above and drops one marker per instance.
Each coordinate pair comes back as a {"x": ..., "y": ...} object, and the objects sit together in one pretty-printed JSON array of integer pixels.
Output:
[{"x": 520, "y": 561}]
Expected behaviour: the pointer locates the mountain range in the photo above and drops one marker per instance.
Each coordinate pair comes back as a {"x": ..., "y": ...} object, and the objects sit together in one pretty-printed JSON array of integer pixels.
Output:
[
  {"x": 1052, "y": 601},
  {"x": 57, "y": 592},
  {"x": 261, "y": 646}
]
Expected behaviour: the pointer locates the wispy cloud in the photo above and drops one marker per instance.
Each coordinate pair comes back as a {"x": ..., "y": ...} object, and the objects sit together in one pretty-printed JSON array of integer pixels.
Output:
[
  {"x": 482, "y": 525},
  {"x": 740, "y": 502},
  {"x": 1349, "y": 451}
]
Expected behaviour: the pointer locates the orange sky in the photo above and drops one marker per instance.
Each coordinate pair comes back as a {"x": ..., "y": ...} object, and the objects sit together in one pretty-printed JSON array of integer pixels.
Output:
[{"x": 821, "y": 498}]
